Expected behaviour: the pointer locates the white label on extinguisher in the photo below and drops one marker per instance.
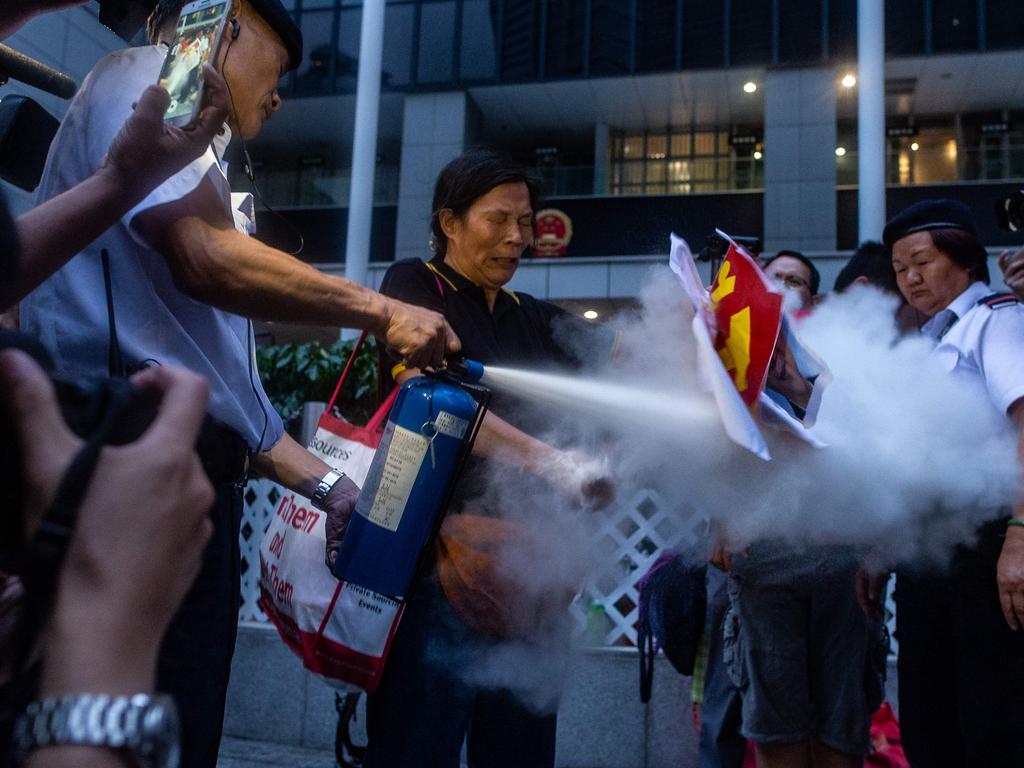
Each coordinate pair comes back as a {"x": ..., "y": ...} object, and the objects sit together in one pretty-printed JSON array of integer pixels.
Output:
[
  {"x": 451, "y": 425},
  {"x": 402, "y": 464}
]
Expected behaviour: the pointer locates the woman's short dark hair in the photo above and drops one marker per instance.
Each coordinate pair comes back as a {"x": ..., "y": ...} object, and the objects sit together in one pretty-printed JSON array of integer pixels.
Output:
[
  {"x": 873, "y": 261},
  {"x": 469, "y": 177},
  {"x": 964, "y": 249}
]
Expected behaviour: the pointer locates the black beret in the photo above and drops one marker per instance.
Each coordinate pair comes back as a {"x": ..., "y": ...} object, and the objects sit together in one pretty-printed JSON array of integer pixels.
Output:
[
  {"x": 929, "y": 214},
  {"x": 281, "y": 22}
]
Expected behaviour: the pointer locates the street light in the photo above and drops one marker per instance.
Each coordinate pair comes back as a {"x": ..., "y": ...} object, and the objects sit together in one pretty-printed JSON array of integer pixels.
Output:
[
  {"x": 849, "y": 80},
  {"x": 749, "y": 87}
]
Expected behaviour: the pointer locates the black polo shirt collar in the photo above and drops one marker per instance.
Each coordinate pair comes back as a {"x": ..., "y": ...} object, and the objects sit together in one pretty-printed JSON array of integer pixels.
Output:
[{"x": 457, "y": 282}]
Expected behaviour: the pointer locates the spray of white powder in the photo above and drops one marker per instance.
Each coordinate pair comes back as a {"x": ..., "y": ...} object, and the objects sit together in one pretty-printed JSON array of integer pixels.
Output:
[{"x": 916, "y": 459}]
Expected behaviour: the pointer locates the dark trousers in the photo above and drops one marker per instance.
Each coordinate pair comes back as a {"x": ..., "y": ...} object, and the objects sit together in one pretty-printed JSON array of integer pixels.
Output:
[
  {"x": 961, "y": 668},
  {"x": 721, "y": 745},
  {"x": 195, "y": 659},
  {"x": 424, "y": 709}
]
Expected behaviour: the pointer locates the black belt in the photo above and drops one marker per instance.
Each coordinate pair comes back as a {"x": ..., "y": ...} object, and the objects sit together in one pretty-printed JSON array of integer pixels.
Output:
[{"x": 223, "y": 452}]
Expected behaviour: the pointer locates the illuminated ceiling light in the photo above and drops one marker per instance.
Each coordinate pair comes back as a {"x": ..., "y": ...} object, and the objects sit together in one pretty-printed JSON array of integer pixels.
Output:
[
  {"x": 591, "y": 314},
  {"x": 849, "y": 80},
  {"x": 914, "y": 147},
  {"x": 758, "y": 155},
  {"x": 840, "y": 151},
  {"x": 749, "y": 87}
]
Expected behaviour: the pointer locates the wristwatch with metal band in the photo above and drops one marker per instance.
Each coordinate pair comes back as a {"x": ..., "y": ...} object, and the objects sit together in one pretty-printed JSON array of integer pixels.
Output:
[
  {"x": 328, "y": 481},
  {"x": 143, "y": 726}
]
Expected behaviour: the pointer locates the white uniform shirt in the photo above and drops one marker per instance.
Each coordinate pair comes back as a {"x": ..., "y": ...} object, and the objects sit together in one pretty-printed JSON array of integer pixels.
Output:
[
  {"x": 984, "y": 345},
  {"x": 155, "y": 321}
]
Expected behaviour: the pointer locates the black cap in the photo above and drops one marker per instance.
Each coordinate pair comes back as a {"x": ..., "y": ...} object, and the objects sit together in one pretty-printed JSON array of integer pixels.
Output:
[
  {"x": 929, "y": 214},
  {"x": 282, "y": 23}
]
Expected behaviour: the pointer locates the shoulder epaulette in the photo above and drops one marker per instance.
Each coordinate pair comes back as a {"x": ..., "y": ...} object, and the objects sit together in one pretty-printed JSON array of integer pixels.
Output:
[{"x": 998, "y": 300}]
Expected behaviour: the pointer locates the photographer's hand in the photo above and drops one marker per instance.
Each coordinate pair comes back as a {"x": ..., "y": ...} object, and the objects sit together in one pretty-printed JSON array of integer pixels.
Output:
[
  {"x": 140, "y": 532},
  {"x": 1012, "y": 265}
]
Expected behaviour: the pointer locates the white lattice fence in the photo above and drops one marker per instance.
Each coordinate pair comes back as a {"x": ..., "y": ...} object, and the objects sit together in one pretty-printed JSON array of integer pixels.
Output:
[
  {"x": 261, "y": 500},
  {"x": 628, "y": 540}
]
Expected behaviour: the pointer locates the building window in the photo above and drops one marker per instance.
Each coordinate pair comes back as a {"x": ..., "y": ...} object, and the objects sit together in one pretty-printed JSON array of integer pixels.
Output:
[
  {"x": 657, "y": 27},
  {"x": 929, "y": 156},
  {"x": 904, "y": 28},
  {"x": 1004, "y": 24},
  {"x": 684, "y": 161},
  {"x": 703, "y": 28},
  {"x": 609, "y": 37},
  {"x": 954, "y": 25},
  {"x": 437, "y": 43},
  {"x": 563, "y": 56},
  {"x": 750, "y": 31},
  {"x": 943, "y": 149},
  {"x": 799, "y": 31},
  {"x": 320, "y": 64},
  {"x": 479, "y": 55},
  {"x": 520, "y": 24}
]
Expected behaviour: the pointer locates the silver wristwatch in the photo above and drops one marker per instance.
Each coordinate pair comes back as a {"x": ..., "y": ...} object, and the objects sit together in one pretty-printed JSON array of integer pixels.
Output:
[
  {"x": 326, "y": 483},
  {"x": 143, "y": 726}
]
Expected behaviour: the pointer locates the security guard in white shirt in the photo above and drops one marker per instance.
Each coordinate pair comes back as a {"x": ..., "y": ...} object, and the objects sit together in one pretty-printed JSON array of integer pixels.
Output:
[{"x": 961, "y": 662}]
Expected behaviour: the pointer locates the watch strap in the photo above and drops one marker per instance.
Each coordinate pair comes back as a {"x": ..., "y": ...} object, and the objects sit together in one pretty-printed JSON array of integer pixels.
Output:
[
  {"x": 324, "y": 487},
  {"x": 100, "y": 720}
]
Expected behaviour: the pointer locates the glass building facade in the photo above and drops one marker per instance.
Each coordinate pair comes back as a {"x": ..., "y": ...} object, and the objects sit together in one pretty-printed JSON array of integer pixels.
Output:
[
  {"x": 430, "y": 44},
  {"x": 443, "y": 45}
]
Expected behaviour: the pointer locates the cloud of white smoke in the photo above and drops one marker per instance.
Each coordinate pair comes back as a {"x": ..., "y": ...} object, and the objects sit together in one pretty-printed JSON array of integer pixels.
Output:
[{"x": 916, "y": 459}]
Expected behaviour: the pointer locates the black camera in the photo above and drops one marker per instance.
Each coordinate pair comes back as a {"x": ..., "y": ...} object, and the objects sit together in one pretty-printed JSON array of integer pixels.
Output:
[
  {"x": 716, "y": 246},
  {"x": 1010, "y": 212},
  {"x": 109, "y": 410}
]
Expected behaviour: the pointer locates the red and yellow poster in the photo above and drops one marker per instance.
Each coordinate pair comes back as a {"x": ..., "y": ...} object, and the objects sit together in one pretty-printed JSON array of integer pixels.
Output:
[{"x": 748, "y": 316}]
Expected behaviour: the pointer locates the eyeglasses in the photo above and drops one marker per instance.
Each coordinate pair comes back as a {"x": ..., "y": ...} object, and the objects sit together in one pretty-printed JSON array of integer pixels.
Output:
[{"x": 792, "y": 281}]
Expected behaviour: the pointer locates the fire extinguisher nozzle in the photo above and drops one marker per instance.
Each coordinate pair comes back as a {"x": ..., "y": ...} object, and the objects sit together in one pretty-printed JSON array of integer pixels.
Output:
[
  {"x": 474, "y": 370},
  {"x": 468, "y": 370}
]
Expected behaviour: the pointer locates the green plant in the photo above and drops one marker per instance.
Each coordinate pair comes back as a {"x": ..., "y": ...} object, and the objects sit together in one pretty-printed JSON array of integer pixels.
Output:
[{"x": 294, "y": 374}]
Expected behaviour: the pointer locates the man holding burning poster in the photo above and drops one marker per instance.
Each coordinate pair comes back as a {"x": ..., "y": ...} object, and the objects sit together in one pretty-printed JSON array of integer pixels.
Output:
[{"x": 793, "y": 641}]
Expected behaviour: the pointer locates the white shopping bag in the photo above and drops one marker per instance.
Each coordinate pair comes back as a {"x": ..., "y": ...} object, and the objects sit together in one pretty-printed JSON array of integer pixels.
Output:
[{"x": 341, "y": 631}]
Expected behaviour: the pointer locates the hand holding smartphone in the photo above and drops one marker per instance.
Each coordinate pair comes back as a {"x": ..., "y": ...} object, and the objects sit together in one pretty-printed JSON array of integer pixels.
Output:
[{"x": 196, "y": 41}]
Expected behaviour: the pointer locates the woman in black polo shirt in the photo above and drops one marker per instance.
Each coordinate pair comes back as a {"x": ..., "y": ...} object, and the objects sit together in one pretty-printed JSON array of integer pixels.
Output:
[{"x": 439, "y": 687}]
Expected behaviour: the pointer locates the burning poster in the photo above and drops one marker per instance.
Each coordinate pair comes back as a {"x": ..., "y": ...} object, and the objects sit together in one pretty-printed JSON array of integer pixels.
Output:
[{"x": 737, "y": 325}]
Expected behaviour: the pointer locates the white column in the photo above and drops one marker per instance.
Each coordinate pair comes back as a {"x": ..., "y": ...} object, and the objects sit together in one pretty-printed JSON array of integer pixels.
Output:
[
  {"x": 364, "y": 146},
  {"x": 870, "y": 119}
]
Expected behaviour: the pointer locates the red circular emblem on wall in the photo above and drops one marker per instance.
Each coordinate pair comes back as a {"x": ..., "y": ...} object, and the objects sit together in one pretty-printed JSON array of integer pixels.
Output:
[{"x": 554, "y": 231}]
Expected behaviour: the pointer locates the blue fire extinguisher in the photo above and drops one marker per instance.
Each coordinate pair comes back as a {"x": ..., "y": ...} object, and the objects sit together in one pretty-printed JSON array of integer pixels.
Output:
[{"x": 428, "y": 436}]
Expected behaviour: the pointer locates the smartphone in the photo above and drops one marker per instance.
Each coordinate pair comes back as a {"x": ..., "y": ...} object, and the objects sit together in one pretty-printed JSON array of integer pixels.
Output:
[{"x": 196, "y": 40}]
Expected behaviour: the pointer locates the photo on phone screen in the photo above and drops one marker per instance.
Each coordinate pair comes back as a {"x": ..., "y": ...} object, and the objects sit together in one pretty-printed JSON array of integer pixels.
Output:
[{"x": 195, "y": 41}]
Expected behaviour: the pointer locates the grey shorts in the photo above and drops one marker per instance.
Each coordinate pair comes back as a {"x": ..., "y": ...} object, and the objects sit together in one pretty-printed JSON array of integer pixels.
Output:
[{"x": 800, "y": 649}]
